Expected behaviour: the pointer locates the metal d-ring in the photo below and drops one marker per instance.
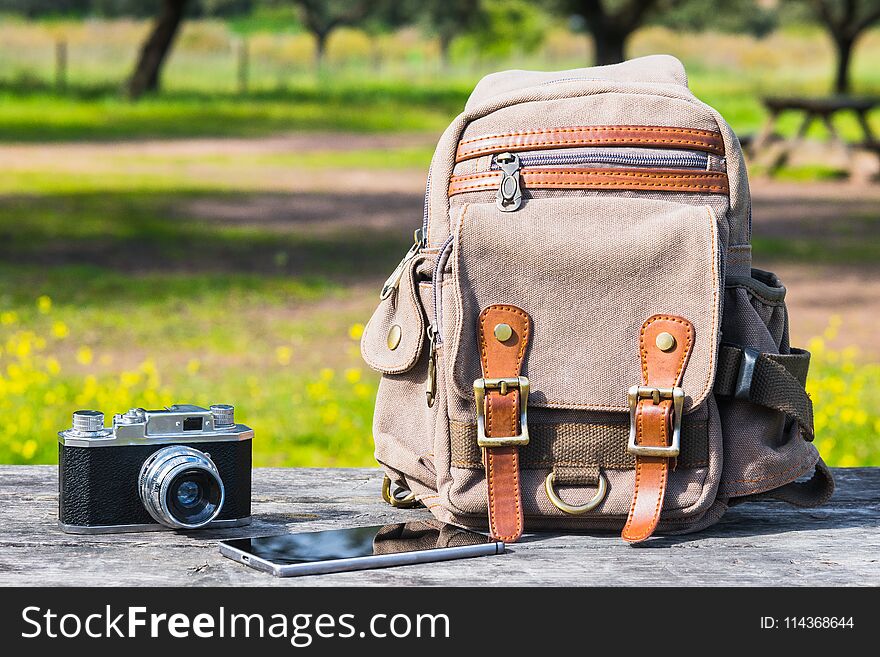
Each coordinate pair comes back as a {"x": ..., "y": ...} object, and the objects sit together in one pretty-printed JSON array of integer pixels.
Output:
[
  {"x": 560, "y": 504},
  {"x": 406, "y": 502}
]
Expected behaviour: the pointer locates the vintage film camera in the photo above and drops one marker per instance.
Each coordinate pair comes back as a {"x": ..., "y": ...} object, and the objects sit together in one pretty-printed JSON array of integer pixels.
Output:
[{"x": 183, "y": 467}]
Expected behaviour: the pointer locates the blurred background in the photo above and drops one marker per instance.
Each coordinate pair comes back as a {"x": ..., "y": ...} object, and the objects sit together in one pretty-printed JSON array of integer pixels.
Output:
[{"x": 199, "y": 200}]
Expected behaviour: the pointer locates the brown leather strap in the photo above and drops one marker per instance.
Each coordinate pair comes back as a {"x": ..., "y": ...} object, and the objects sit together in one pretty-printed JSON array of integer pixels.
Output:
[
  {"x": 501, "y": 359},
  {"x": 596, "y": 135},
  {"x": 653, "y": 420},
  {"x": 661, "y": 180}
]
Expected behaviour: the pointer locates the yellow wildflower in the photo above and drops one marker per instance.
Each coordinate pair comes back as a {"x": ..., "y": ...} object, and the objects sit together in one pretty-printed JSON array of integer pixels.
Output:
[
  {"x": 84, "y": 355},
  {"x": 28, "y": 449},
  {"x": 52, "y": 365},
  {"x": 44, "y": 304},
  {"x": 283, "y": 354},
  {"x": 355, "y": 331},
  {"x": 60, "y": 330}
]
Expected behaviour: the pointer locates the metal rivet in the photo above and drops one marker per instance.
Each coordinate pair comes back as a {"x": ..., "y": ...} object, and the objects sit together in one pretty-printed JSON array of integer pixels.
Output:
[
  {"x": 394, "y": 337},
  {"x": 503, "y": 332},
  {"x": 665, "y": 341}
]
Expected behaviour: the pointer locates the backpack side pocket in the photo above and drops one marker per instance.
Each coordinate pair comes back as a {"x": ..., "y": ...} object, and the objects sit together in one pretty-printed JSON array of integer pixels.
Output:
[{"x": 765, "y": 446}]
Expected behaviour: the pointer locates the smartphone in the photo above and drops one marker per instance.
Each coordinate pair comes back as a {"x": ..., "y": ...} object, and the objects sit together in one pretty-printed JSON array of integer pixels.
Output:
[{"x": 358, "y": 548}]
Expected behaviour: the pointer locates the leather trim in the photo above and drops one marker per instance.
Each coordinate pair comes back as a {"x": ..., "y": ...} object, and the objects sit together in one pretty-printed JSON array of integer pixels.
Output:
[
  {"x": 502, "y": 464},
  {"x": 598, "y": 135},
  {"x": 663, "y": 180},
  {"x": 654, "y": 421}
]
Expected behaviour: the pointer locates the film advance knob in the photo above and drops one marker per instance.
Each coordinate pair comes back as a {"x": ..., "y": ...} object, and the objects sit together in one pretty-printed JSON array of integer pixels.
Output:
[
  {"x": 88, "y": 421},
  {"x": 224, "y": 415}
]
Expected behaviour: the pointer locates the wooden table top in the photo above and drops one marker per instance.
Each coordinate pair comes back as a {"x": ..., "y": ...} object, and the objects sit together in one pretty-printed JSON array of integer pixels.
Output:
[{"x": 765, "y": 543}]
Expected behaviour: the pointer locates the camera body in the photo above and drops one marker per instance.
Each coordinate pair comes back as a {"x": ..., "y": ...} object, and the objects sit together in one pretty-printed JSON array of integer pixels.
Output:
[{"x": 182, "y": 467}]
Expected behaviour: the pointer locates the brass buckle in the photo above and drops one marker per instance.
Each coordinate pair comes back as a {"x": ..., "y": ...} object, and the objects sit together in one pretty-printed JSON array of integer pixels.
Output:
[
  {"x": 503, "y": 385},
  {"x": 638, "y": 393}
]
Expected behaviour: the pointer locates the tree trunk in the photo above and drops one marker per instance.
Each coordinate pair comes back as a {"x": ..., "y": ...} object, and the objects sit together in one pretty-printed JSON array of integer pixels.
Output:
[
  {"x": 320, "y": 49},
  {"x": 444, "y": 41},
  {"x": 156, "y": 48},
  {"x": 844, "y": 48},
  {"x": 609, "y": 46}
]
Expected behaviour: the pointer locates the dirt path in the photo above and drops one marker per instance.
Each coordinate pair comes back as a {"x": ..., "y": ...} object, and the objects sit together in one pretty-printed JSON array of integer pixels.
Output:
[{"x": 832, "y": 219}]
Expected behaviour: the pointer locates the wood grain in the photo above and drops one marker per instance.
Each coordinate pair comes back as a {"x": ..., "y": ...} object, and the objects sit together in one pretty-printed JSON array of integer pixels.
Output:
[{"x": 754, "y": 544}]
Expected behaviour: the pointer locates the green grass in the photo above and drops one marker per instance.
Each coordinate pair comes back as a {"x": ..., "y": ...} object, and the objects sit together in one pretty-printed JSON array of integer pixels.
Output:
[{"x": 102, "y": 114}]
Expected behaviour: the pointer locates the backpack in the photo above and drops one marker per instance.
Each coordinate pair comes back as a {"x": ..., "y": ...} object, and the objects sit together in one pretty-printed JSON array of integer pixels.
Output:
[{"x": 577, "y": 339}]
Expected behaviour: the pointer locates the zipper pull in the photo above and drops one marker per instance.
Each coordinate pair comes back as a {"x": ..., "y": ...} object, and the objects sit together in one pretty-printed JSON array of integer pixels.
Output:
[
  {"x": 509, "y": 196},
  {"x": 393, "y": 281},
  {"x": 431, "y": 391}
]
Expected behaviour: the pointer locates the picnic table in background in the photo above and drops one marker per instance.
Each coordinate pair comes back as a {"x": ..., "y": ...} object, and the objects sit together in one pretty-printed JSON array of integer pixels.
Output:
[{"x": 815, "y": 109}]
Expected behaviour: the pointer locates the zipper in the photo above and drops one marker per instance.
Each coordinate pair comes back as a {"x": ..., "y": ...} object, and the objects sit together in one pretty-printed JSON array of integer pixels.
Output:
[
  {"x": 435, "y": 329},
  {"x": 431, "y": 383},
  {"x": 690, "y": 160},
  {"x": 509, "y": 196},
  {"x": 425, "y": 210}
]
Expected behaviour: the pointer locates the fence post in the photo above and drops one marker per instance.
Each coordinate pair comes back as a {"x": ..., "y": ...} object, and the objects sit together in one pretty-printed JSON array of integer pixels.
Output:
[
  {"x": 243, "y": 58},
  {"x": 60, "y": 65}
]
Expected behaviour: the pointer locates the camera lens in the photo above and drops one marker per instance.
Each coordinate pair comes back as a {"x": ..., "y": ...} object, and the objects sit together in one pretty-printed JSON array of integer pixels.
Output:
[
  {"x": 181, "y": 487},
  {"x": 188, "y": 493}
]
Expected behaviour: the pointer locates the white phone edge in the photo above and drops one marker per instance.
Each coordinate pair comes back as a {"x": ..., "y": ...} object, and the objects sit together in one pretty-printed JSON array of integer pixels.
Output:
[{"x": 361, "y": 563}]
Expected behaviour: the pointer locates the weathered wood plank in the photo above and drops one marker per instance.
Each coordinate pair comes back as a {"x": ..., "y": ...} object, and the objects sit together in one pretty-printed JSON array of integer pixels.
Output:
[{"x": 754, "y": 544}]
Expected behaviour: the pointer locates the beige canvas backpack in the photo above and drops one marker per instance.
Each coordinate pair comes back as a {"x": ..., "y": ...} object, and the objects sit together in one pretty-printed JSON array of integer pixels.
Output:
[{"x": 577, "y": 339}]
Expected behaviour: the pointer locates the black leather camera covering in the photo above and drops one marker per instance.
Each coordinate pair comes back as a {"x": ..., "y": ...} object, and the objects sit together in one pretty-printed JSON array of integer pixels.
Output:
[{"x": 99, "y": 485}]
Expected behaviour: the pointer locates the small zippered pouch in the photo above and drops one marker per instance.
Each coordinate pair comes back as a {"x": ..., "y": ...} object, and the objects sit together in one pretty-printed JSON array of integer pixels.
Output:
[{"x": 626, "y": 158}]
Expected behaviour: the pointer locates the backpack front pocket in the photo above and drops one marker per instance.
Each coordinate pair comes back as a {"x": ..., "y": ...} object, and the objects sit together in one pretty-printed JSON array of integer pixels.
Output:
[{"x": 589, "y": 272}]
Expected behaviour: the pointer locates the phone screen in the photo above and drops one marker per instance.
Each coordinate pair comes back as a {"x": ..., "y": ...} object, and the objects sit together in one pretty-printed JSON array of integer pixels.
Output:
[{"x": 330, "y": 545}]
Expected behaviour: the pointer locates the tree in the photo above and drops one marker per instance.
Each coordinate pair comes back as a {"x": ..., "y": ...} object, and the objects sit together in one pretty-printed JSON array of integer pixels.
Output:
[
  {"x": 846, "y": 21},
  {"x": 321, "y": 17},
  {"x": 611, "y": 23},
  {"x": 155, "y": 50},
  {"x": 733, "y": 16},
  {"x": 447, "y": 19}
]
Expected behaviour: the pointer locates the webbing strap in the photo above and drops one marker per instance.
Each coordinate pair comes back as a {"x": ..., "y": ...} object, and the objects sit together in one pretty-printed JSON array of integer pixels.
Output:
[
  {"x": 579, "y": 445},
  {"x": 774, "y": 381}
]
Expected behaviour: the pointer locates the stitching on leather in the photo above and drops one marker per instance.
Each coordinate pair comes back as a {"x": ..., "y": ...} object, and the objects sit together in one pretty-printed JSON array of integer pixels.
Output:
[
  {"x": 464, "y": 154},
  {"x": 490, "y": 457},
  {"x": 664, "y": 466},
  {"x": 611, "y": 173},
  {"x": 685, "y": 353},
  {"x": 517, "y": 496},
  {"x": 632, "y": 509},
  {"x": 491, "y": 481},
  {"x": 593, "y": 184},
  {"x": 646, "y": 179},
  {"x": 640, "y": 128}
]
